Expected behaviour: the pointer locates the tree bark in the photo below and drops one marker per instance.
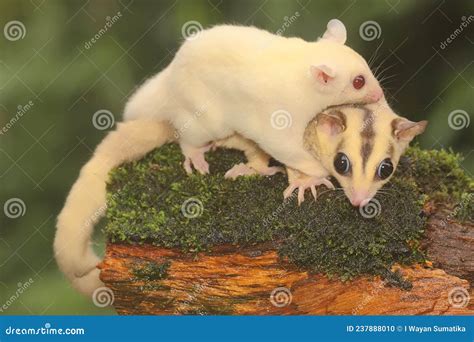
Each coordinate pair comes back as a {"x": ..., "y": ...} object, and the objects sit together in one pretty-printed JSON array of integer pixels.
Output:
[
  {"x": 450, "y": 245},
  {"x": 254, "y": 281}
]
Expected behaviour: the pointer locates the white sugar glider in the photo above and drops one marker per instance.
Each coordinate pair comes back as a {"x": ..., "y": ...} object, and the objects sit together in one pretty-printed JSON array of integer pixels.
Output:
[
  {"x": 227, "y": 80},
  {"x": 264, "y": 87}
]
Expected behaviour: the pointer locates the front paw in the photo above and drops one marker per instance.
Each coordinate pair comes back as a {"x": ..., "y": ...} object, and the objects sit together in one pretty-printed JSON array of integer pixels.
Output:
[{"x": 306, "y": 182}]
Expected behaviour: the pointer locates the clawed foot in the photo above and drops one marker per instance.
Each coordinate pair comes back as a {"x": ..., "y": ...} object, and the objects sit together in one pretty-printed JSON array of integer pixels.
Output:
[
  {"x": 305, "y": 182},
  {"x": 194, "y": 157},
  {"x": 245, "y": 170}
]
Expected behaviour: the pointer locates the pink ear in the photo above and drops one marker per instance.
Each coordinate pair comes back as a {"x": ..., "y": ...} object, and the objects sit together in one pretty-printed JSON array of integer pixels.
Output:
[
  {"x": 331, "y": 123},
  {"x": 322, "y": 73},
  {"x": 405, "y": 130}
]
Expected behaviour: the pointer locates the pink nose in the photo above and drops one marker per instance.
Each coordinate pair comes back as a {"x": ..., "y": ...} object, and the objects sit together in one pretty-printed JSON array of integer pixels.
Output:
[
  {"x": 360, "y": 199},
  {"x": 375, "y": 95}
]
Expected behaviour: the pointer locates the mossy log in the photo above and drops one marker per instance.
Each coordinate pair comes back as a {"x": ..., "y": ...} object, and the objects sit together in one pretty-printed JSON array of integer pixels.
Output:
[
  {"x": 180, "y": 244},
  {"x": 255, "y": 281}
]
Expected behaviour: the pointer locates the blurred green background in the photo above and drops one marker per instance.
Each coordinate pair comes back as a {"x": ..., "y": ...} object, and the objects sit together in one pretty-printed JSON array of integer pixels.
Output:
[{"x": 53, "y": 80}]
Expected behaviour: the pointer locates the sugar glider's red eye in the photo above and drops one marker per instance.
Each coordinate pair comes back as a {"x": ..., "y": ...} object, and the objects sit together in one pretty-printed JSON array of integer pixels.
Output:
[{"x": 358, "y": 82}]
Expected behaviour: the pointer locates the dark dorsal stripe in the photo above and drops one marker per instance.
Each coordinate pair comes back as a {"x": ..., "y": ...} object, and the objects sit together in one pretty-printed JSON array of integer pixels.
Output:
[
  {"x": 391, "y": 150},
  {"x": 367, "y": 134}
]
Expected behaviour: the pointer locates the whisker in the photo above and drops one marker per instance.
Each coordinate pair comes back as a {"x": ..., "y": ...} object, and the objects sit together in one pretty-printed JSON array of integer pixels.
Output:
[
  {"x": 385, "y": 70},
  {"x": 376, "y": 69},
  {"x": 385, "y": 86},
  {"x": 387, "y": 77},
  {"x": 373, "y": 58}
]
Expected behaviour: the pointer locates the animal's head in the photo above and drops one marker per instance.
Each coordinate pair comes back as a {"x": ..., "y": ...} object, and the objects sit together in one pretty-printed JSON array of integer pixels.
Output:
[
  {"x": 341, "y": 73},
  {"x": 360, "y": 146}
]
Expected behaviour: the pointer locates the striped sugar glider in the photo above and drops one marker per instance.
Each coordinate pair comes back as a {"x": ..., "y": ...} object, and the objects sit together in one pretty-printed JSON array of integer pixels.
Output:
[
  {"x": 227, "y": 80},
  {"x": 360, "y": 146}
]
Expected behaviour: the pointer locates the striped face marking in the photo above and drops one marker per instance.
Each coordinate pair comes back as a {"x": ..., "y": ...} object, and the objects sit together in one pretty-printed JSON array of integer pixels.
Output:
[
  {"x": 367, "y": 147},
  {"x": 367, "y": 134},
  {"x": 364, "y": 151}
]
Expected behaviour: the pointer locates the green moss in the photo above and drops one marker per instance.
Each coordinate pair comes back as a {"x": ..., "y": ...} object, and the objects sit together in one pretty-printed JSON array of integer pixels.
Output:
[
  {"x": 151, "y": 270},
  {"x": 154, "y": 201},
  {"x": 438, "y": 173}
]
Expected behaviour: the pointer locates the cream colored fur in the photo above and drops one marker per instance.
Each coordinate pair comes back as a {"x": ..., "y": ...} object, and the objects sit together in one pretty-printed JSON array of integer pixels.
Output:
[{"x": 86, "y": 204}]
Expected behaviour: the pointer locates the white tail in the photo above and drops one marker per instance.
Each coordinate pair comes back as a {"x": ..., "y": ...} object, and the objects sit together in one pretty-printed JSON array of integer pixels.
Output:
[{"x": 86, "y": 202}]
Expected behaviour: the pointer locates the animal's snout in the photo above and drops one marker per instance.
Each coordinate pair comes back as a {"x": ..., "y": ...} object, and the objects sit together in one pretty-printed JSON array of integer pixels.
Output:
[
  {"x": 374, "y": 95},
  {"x": 360, "y": 198}
]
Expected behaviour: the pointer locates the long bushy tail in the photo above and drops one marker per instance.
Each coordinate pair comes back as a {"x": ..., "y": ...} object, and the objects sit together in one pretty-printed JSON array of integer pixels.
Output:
[{"x": 86, "y": 202}]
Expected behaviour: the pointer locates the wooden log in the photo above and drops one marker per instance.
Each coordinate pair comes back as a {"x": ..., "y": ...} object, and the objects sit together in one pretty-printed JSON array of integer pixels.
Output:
[
  {"x": 232, "y": 280},
  {"x": 450, "y": 245},
  {"x": 254, "y": 281}
]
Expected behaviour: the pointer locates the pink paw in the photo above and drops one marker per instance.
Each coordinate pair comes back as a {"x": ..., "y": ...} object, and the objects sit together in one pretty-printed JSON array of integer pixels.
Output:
[
  {"x": 194, "y": 157},
  {"x": 198, "y": 162},
  {"x": 304, "y": 183}
]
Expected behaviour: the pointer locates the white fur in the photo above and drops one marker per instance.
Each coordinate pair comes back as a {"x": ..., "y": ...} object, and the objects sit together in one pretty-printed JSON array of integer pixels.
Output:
[{"x": 336, "y": 31}]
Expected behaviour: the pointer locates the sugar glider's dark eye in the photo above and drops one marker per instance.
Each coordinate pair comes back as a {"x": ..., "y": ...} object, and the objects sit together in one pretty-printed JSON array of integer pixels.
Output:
[
  {"x": 342, "y": 163},
  {"x": 385, "y": 169},
  {"x": 358, "y": 82}
]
